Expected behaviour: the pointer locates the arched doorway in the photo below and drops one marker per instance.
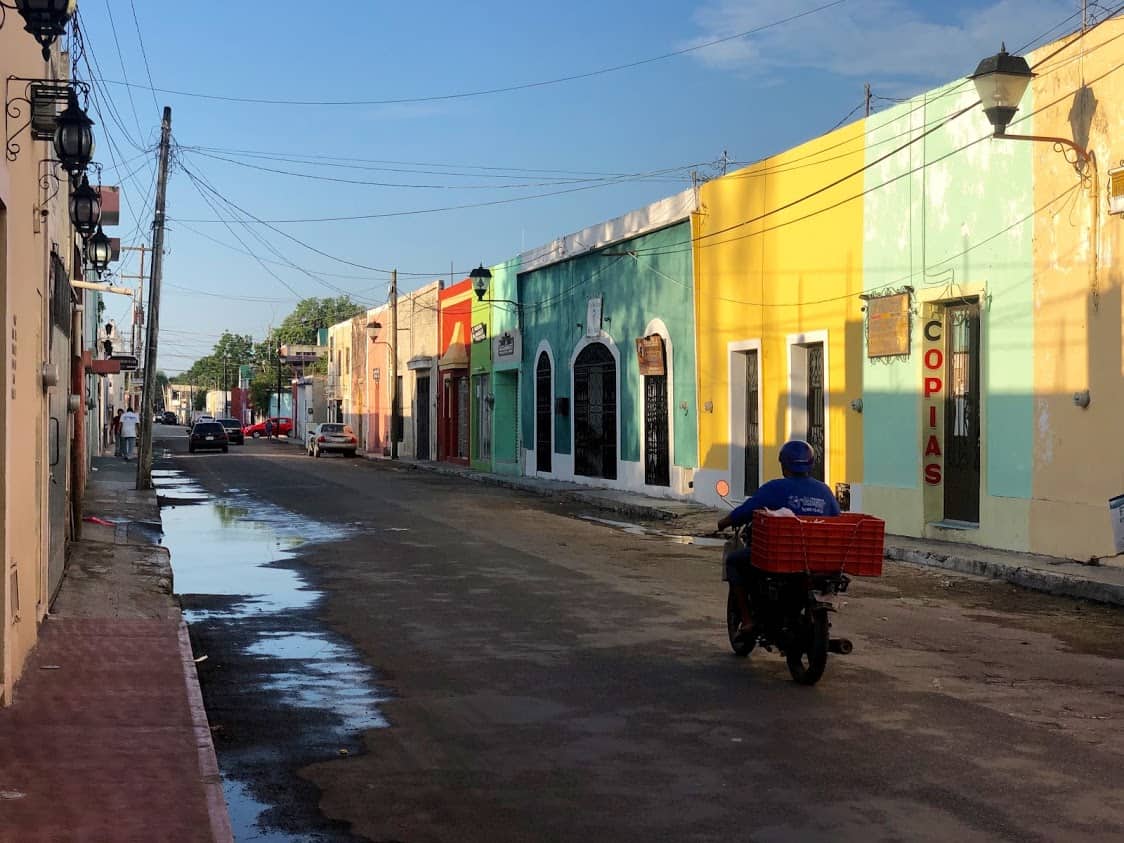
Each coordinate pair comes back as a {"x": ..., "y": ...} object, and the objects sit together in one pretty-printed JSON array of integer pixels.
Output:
[
  {"x": 595, "y": 413},
  {"x": 657, "y": 444},
  {"x": 544, "y": 416}
]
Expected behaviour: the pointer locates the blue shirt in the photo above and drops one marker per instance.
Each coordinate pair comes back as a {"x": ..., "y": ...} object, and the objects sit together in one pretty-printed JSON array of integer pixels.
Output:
[{"x": 803, "y": 495}]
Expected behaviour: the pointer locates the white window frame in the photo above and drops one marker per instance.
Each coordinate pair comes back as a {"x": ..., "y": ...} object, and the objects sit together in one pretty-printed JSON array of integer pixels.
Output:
[{"x": 796, "y": 416}]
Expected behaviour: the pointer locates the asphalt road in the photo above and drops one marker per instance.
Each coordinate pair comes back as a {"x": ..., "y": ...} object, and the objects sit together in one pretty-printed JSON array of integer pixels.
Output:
[{"x": 551, "y": 678}]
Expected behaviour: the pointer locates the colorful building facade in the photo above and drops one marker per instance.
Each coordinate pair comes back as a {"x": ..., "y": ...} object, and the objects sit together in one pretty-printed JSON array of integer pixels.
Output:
[
  {"x": 453, "y": 404},
  {"x": 495, "y": 361},
  {"x": 608, "y": 337}
]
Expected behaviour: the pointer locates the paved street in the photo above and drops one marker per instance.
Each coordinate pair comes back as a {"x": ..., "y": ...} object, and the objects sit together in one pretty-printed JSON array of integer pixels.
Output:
[{"x": 526, "y": 674}]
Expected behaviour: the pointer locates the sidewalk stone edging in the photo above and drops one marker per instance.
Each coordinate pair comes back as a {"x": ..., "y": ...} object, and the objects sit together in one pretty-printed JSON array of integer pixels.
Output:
[{"x": 1057, "y": 583}]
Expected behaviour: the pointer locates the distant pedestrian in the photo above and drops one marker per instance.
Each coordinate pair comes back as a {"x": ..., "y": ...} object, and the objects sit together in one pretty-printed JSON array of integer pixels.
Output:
[
  {"x": 128, "y": 436},
  {"x": 269, "y": 428},
  {"x": 115, "y": 432}
]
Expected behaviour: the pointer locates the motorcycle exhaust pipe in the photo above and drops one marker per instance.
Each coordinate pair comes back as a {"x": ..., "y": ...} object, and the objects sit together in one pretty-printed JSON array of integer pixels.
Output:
[{"x": 842, "y": 646}]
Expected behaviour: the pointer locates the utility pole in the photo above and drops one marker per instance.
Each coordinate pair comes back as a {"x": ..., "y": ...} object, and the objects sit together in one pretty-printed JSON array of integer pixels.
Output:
[
  {"x": 395, "y": 416},
  {"x": 138, "y": 302},
  {"x": 868, "y": 98},
  {"x": 278, "y": 385},
  {"x": 144, "y": 454}
]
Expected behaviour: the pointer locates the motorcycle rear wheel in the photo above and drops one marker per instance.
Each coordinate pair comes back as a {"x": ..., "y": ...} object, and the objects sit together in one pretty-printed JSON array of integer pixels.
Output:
[
  {"x": 808, "y": 661},
  {"x": 740, "y": 646}
]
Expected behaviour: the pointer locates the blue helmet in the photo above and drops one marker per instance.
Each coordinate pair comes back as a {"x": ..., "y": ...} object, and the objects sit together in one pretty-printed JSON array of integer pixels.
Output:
[{"x": 797, "y": 457}]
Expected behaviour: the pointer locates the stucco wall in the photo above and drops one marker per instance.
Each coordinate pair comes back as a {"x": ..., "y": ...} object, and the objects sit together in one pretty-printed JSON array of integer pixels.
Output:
[
  {"x": 1077, "y": 306},
  {"x": 656, "y": 283},
  {"x": 769, "y": 276}
]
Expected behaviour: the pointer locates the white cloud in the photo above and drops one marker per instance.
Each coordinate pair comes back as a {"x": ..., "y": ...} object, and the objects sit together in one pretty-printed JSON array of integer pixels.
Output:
[{"x": 882, "y": 41}]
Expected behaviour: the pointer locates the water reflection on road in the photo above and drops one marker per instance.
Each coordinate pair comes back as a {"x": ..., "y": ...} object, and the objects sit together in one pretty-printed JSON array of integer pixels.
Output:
[{"x": 232, "y": 561}]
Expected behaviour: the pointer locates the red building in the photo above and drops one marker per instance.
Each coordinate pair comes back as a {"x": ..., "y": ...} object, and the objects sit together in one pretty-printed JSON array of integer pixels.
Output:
[{"x": 455, "y": 306}]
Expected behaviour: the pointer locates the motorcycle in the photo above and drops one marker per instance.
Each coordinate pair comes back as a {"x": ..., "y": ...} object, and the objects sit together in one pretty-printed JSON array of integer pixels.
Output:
[{"x": 791, "y": 612}]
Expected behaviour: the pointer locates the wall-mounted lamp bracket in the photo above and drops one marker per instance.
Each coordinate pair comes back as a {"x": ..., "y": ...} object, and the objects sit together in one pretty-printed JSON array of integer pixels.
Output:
[{"x": 39, "y": 107}]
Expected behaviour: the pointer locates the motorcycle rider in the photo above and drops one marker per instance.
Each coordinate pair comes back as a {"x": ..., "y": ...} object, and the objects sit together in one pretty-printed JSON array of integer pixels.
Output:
[{"x": 798, "y": 491}]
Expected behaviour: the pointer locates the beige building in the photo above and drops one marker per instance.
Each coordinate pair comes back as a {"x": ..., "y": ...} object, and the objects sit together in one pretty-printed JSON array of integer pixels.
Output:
[{"x": 37, "y": 413}]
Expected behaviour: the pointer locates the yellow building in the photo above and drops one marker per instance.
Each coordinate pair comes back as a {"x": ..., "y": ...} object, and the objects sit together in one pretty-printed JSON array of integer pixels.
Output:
[{"x": 779, "y": 315}]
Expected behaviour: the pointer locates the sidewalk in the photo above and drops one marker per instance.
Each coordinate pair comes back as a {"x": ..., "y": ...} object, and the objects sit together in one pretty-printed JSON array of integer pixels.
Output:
[
  {"x": 1062, "y": 577},
  {"x": 107, "y": 738}
]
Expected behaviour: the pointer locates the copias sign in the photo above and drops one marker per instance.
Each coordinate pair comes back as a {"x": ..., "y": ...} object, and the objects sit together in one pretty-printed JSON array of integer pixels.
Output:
[{"x": 932, "y": 398}]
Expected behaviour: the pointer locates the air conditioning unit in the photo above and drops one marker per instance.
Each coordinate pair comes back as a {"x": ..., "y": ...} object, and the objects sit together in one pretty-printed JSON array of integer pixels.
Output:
[{"x": 1116, "y": 190}]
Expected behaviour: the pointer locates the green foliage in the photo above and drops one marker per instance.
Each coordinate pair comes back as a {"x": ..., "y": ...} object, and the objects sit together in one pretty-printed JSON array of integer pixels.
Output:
[
  {"x": 311, "y": 314},
  {"x": 199, "y": 402}
]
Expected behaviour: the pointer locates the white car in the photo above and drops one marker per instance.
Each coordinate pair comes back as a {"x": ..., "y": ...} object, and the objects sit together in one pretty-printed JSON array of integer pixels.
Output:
[{"x": 331, "y": 436}]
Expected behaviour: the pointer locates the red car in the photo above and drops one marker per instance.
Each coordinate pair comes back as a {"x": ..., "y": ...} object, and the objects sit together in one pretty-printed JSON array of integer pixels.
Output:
[{"x": 281, "y": 427}]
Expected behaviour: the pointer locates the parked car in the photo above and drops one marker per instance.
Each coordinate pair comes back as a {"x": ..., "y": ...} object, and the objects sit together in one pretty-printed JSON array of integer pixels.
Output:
[
  {"x": 209, "y": 435},
  {"x": 202, "y": 418},
  {"x": 282, "y": 426},
  {"x": 169, "y": 417},
  {"x": 233, "y": 429},
  {"x": 331, "y": 436}
]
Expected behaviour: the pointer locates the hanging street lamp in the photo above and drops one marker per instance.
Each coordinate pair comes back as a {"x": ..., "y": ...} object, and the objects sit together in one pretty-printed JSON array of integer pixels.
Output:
[
  {"x": 74, "y": 137},
  {"x": 85, "y": 209},
  {"x": 1001, "y": 80},
  {"x": 481, "y": 278},
  {"x": 46, "y": 20},
  {"x": 99, "y": 251}
]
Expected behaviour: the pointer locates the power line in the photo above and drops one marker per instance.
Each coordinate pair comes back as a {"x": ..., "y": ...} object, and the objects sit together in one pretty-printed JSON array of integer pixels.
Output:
[{"x": 501, "y": 90}]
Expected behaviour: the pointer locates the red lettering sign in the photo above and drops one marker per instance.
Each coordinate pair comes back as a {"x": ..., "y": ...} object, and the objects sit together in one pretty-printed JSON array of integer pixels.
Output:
[
  {"x": 934, "y": 358},
  {"x": 933, "y": 417},
  {"x": 933, "y": 448},
  {"x": 933, "y": 474},
  {"x": 933, "y": 386}
]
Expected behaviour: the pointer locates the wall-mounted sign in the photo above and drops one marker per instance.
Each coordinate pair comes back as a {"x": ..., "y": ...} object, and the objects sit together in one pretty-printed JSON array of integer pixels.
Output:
[
  {"x": 1116, "y": 513},
  {"x": 932, "y": 391},
  {"x": 479, "y": 332},
  {"x": 374, "y": 374},
  {"x": 507, "y": 348},
  {"x": 650, "y": 356},
  {"x": 127, "y": 361},
  {"x": 593, "y": 317},
  {"x": 887, "y": 325}
]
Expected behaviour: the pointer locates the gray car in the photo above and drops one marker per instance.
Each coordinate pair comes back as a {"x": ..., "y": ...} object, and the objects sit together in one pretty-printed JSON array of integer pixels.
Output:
[{"x": 331, "y": 437}]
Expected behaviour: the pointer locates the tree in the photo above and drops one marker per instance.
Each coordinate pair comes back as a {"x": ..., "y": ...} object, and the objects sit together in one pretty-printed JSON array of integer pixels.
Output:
[{"x": 311, "y": 314}]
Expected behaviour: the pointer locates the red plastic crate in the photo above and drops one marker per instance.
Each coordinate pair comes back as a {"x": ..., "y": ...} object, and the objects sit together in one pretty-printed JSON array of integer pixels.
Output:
[{"x": 852, "y": 543}]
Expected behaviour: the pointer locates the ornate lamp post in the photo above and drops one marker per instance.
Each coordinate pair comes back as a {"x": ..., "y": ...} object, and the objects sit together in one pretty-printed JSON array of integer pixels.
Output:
[
  {"x": 74, "y": 137},
  {"x": 85, "y": 209},
  {"x": 481, "y": 278},
  {"x": 99, "y": 251},
  {"x": 46, "y": 20}
]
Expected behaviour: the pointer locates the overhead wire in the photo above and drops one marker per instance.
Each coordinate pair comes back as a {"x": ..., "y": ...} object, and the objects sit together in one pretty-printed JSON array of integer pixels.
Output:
[{"x": 507, "y": 88}]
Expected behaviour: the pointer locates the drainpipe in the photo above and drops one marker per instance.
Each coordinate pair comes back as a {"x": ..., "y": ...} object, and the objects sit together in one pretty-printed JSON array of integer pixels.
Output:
[{"x": 78, "y": 448}]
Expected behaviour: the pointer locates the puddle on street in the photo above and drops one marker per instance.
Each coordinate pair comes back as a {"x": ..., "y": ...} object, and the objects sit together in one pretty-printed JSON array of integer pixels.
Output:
[
  {"x": 638, "y": 530},
  {"x": 234, "y": 547}
]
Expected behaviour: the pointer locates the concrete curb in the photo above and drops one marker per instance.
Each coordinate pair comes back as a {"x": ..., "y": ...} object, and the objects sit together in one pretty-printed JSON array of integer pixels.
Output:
[
  {"x": 209, "y": 776},
  {"x": 590, "y": 497},
  {"x": 1038, "y": 579}
]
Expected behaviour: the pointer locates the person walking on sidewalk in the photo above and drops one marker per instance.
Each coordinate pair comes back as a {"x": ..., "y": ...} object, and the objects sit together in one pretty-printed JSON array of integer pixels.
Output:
[
  {"x": 128, "y": 435},
  {"x": 269, "y": 428},
  {"x": 115, "y": 432}
]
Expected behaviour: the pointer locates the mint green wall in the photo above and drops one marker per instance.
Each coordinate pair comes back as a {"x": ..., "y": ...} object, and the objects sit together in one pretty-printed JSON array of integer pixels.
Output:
[
  {"x": 964, "y": 220},
  {"x": 498, "y": 317},
  {"x": 657, "y": 285}
]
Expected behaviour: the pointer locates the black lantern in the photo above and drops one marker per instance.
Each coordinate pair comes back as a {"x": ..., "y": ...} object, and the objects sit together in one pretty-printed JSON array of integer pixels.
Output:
[
  {"x": 74, "y": 137},
  {"x": 1001, "y": 81},
  {"x": 480, "y": 276},
  {"x": 85, "y": 208},
  {"x": 99, "y": 251},
  {"x": 46, "y": 20}
]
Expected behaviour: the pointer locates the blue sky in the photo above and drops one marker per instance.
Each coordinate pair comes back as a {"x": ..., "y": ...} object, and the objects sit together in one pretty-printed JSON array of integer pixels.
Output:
[{"x": 749, "y": 97}]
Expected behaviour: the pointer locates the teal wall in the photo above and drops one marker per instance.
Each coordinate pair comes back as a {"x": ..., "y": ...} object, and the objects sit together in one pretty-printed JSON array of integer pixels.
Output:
[
  {"x": 938, "y": 229},
  {"x": 635, "y": 290}
]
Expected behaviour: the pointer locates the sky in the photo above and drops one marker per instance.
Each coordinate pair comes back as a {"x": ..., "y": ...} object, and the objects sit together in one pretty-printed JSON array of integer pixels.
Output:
[{"x": 371, "y": 109}]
